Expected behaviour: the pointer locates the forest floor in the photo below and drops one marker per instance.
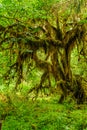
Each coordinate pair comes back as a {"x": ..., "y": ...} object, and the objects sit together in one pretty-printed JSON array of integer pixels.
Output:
[{"x": 20, "y": 113}]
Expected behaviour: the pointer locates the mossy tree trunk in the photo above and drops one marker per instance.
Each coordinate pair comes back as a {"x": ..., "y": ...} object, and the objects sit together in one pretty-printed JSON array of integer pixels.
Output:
[{"x": 25, "y": 41}]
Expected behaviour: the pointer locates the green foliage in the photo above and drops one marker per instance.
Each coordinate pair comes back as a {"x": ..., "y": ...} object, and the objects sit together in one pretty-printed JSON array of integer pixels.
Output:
[
  {"x": 23, "y": 10},
  {"x": 18, "y": 112},
  {"x": 78, "y": 63},
  {"x": 42, "y": 115}
]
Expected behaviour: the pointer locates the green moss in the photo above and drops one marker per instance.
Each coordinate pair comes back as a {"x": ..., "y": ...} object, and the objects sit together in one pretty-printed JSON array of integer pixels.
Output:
[{"x": 43, "y": 114}]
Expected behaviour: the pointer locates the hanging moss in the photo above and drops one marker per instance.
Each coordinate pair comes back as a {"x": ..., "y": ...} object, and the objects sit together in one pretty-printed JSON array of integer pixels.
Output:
[{"x": 23, "y": 43}]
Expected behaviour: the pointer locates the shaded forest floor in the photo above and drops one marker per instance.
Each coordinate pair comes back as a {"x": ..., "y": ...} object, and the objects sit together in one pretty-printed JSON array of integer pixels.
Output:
[{"x": 18, "y": 113}]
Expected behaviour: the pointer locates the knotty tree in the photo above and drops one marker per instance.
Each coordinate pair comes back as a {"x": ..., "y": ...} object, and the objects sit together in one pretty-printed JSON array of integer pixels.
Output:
[{"x": 55, "y": 34}]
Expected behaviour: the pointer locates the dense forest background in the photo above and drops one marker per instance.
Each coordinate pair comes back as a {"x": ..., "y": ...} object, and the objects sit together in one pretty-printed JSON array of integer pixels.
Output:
[{"x": 43, "y": 64}]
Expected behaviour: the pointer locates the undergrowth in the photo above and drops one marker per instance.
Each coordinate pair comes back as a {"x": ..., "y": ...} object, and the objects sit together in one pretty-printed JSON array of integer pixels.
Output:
[{"x": 20, "y": 113}]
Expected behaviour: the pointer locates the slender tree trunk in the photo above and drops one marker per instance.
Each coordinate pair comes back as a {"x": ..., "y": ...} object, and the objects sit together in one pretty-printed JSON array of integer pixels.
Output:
[{"x": 0, "y": 125}]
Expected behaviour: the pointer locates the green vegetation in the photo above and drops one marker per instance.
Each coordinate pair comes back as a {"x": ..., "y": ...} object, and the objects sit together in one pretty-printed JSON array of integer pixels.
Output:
[
  {"x": 43, "y": 65},
  {"x": 43, "y": 114}
]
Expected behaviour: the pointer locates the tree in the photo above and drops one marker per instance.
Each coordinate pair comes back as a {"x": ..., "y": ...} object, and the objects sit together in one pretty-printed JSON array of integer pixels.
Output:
[{"x": 55, "y": 32}]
